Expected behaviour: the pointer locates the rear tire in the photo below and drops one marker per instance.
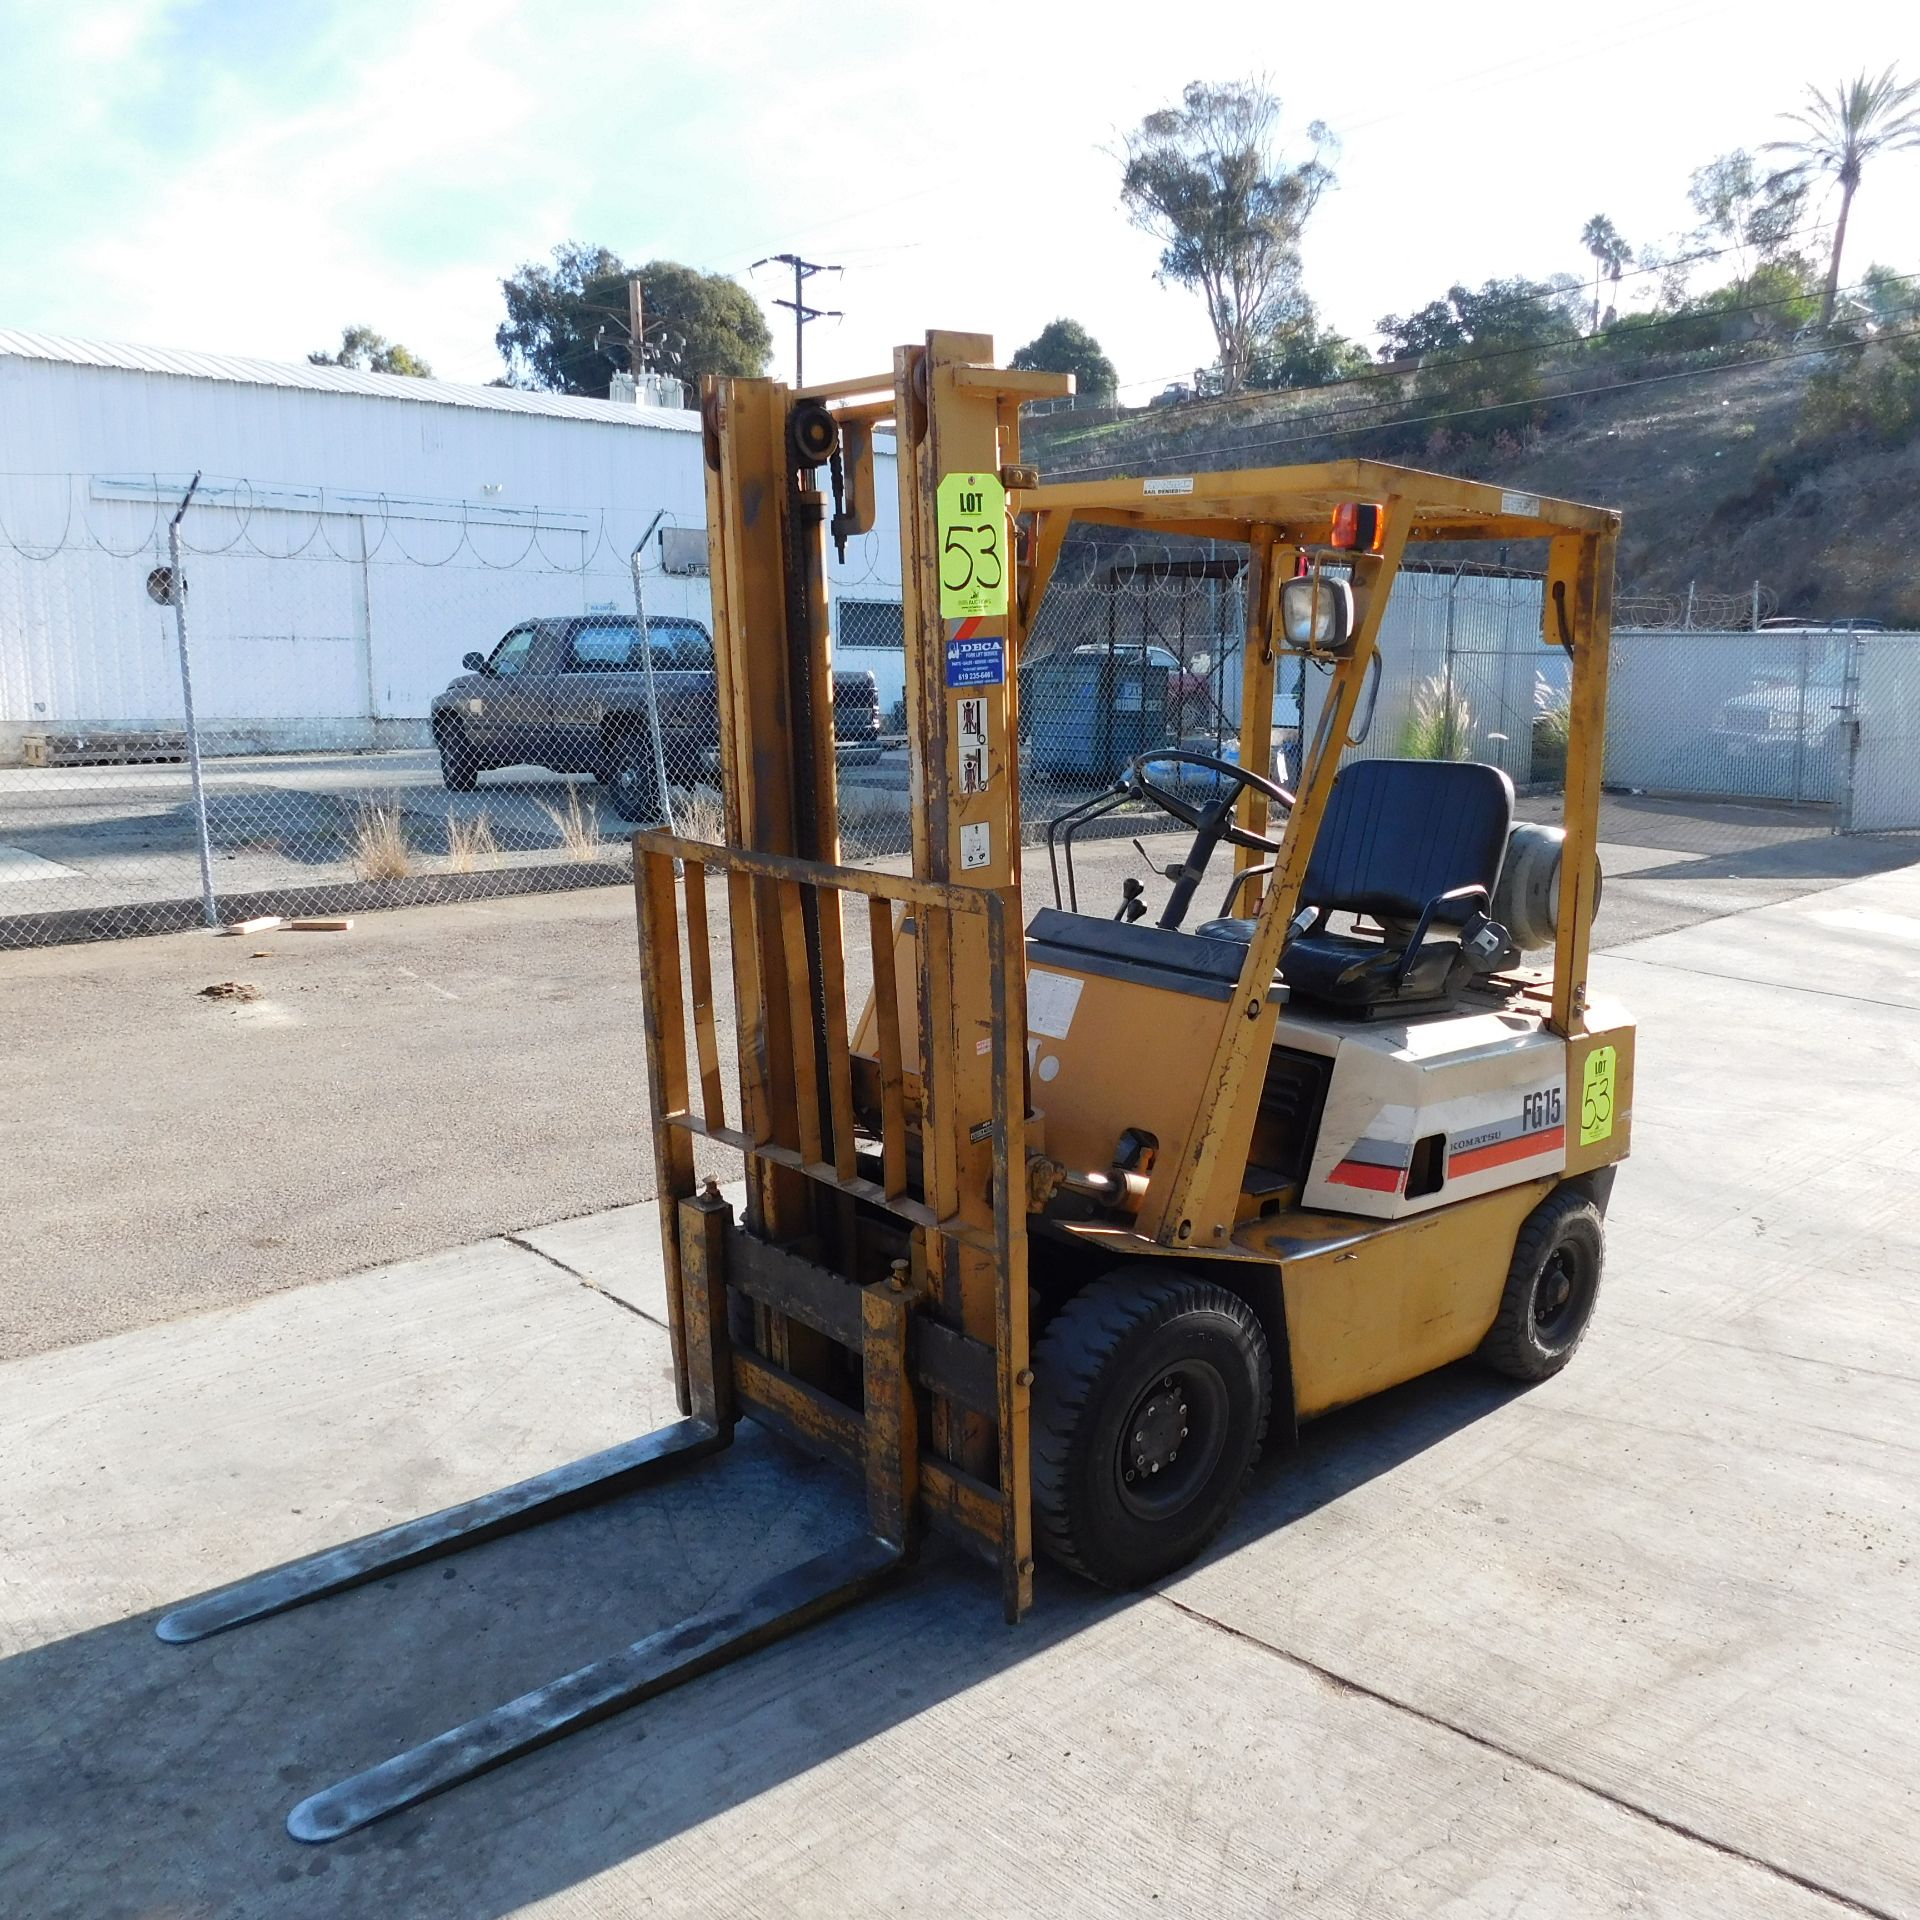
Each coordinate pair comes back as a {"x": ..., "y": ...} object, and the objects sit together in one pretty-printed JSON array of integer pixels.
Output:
[
  {"x": 459, "y": 765},
  {"x": 1551, "y": 1288},
  {"x": 631, "y": 779},
  {"x": 1151, "y": 1397}
]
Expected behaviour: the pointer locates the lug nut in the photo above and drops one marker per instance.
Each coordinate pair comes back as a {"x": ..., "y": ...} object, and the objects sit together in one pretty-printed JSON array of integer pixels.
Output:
[{"x": 1183, "y": 1433}]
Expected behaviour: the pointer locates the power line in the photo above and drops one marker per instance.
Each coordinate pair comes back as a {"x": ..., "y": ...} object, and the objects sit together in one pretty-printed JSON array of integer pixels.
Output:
[
  {"x": 803, "y": 271},
  {"x": 1251, "y": 396},
  {"x": 1501, "y": 406},
  {"x": 1661, "y": 20}
]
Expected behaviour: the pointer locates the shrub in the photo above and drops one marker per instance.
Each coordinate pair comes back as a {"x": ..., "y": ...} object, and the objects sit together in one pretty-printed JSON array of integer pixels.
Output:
[
  {"x": 1439, "y": 724},
  {"x": 1871, "y": 392}
]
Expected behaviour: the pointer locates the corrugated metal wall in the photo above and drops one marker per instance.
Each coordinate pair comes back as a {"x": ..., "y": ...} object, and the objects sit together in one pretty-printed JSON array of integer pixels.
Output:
[{"x": 347, "y": 548}]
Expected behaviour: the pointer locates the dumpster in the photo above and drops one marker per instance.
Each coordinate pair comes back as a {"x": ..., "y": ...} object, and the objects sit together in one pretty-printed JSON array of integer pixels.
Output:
[{"x": 1088, "y": 712}]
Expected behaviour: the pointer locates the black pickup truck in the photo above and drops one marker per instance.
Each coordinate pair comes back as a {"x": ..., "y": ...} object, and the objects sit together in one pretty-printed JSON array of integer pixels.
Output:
[{"x": 571, "y": 693}]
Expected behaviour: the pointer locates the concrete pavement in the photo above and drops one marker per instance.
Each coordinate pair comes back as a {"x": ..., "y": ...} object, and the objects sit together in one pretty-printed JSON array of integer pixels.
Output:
[{"x": 1639, "y": 1641}]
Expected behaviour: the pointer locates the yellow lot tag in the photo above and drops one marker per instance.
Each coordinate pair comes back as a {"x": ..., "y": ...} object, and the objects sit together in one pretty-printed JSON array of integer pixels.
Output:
[
  {"x": 1596, "y": 1097},
  {"x": 970, "y": 517}
]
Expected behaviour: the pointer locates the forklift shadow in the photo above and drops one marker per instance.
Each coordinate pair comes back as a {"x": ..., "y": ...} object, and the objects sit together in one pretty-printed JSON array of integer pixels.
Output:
[
  {"x": 144, "y": 1778},
  {"x": 1345, "y": 1449}
]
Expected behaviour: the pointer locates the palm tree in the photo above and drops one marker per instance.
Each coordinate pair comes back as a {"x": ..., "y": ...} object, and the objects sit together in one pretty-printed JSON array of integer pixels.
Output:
[
  {"x": 1610, "y": 257},
  {"x": 1839, "y": 133}
]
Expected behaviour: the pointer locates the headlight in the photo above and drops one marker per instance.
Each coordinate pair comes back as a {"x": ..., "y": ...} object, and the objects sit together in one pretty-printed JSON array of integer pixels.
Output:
[{"x": 1317, "y": 612}]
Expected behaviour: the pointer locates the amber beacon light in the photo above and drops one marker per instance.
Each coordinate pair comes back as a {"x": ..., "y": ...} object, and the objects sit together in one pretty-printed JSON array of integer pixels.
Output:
[{"x": 1359, "y": 526}]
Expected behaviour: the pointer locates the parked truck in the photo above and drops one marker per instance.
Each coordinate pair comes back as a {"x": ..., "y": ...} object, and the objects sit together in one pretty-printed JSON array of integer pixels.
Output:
[{"x": 577, "y": 694}]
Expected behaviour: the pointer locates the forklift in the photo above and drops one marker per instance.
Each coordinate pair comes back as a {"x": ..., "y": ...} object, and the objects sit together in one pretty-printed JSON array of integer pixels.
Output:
[{"x": 1050, "y": 1234}]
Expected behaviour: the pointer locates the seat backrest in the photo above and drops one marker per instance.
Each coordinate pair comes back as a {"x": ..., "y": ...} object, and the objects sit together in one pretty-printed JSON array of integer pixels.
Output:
[{"x": 1398, "y": 833}]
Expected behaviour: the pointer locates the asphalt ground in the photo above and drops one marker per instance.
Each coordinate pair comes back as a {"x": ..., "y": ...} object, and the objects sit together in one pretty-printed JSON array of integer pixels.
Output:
[
  {"x": 437, "y": 1075},
  {"x": 86, "y": 839}
]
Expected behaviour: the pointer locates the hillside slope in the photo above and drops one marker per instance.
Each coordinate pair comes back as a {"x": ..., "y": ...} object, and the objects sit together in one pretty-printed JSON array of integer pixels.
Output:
[{"x": 1702, "y": 467}]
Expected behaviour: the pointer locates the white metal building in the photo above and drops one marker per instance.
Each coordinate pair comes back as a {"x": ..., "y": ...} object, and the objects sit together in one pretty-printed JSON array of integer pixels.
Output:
[{"x": 353, "y": 536}]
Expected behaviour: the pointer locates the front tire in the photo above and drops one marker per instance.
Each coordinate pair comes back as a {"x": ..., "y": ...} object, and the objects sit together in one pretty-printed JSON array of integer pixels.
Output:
[
  {"x": 1150, "y": 1401},
  {"x": 459, "y": 764},
  {"x": 1551, "y": 1288},
  {"x": 631, "y": 779}
]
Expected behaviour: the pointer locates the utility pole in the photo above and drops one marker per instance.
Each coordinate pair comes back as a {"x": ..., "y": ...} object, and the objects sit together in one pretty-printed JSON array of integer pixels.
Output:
[
  {"x": 636, "y": 330},
  {"x": 803, "y": 271}
]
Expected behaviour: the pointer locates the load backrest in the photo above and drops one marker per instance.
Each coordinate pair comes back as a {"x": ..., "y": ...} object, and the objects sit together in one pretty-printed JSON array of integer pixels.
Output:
[{"x": 1399, "y": 833}]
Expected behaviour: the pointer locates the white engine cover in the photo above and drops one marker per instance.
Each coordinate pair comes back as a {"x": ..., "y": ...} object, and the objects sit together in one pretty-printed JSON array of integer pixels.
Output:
[{"x": 1490, "y": 1086}]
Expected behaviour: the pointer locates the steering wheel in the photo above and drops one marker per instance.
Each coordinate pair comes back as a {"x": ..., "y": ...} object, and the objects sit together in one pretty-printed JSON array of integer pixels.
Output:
[{"x": 1211, "y": 823}]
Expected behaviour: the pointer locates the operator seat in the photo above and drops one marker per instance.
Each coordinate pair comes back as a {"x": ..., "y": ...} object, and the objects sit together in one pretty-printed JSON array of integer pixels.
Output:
[{"x": 1415, "y": 845}]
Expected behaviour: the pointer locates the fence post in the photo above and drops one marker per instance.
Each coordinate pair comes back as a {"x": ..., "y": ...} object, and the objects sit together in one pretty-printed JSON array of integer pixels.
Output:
[
  {"x": 179, "y": 598},
  {"x": 646, "y": 669},
  {"x": 1850, "y": 715},
  {"x": 1800, "y": 723}
]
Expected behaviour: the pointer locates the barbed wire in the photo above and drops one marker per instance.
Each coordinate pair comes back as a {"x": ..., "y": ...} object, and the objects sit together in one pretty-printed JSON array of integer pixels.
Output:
[
  {"x": 381, "y": 519},
  {"x": 1649, "y": 611},
  {"x": 1098, "y": 566}
]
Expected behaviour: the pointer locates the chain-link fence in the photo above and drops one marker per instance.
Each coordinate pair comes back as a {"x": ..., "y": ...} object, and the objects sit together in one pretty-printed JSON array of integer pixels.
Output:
[
  {"x": 392, "y": 708},
  {"x": 393, "y": 702}
]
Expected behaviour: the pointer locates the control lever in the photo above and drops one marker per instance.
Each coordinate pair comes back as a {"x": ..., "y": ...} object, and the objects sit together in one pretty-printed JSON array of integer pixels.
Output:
[
  {"x": 1172, "y": 872},
  {"x": 1131, "y": 905}
]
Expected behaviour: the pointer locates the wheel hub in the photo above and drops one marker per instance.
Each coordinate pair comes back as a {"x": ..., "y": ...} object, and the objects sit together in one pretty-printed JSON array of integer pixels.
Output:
[
  {"x": 1553, "y": 1297},
  {"x": 1156, "y": 1428}
]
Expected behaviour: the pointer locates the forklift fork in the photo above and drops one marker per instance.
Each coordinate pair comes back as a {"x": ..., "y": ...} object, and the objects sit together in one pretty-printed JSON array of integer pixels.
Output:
[{"x": 661, "y": 1661}]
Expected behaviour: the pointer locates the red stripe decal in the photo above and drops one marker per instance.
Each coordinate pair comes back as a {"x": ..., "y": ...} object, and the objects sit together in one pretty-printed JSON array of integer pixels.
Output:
[
  {"x": 967, "y": 627},
  {"x": 1527, "y": 1147},
  {"x": 1358, "y": 1173}
]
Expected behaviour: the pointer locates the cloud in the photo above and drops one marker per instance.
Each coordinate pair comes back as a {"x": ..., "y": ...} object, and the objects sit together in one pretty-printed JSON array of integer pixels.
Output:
[{"x": 231, "y": 174}]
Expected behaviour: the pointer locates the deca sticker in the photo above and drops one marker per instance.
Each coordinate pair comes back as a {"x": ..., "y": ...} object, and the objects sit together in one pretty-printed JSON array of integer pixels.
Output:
[{"x": 975, "y": 659}]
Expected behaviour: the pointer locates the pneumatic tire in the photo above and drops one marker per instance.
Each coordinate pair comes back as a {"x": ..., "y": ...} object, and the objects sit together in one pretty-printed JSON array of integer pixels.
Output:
[
  {"x": 1150, "y": 1402},
  {"x": 631, "y": 779},
  {"x": 1551, "y": 1288},
  {"x": 459, "y": 766}
]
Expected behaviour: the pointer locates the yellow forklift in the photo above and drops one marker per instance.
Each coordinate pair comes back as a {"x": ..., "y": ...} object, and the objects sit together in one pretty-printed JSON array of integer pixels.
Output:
[{"x": 1049, "y": 1232}]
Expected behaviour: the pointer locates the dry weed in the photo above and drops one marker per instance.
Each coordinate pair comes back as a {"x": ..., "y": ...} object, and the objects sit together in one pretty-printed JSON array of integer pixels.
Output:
[
  {"x": 578, "y": 827},
  {"x": 380, "y": 850},
  {"x": 470, "y": 844}
]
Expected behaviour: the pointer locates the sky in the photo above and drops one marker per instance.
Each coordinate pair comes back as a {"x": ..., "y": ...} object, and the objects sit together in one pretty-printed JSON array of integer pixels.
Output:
[{"x": 251, "y": 178}]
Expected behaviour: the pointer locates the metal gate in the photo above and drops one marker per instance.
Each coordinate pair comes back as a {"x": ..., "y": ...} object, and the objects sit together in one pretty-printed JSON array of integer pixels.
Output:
[{"x": 1883, "y": 774}]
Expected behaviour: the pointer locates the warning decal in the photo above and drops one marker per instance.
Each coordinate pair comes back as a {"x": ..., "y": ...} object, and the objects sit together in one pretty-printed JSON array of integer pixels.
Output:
[
  {"x": 1051, "y": 1001},
  {"x": 975, "y": 774}
]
